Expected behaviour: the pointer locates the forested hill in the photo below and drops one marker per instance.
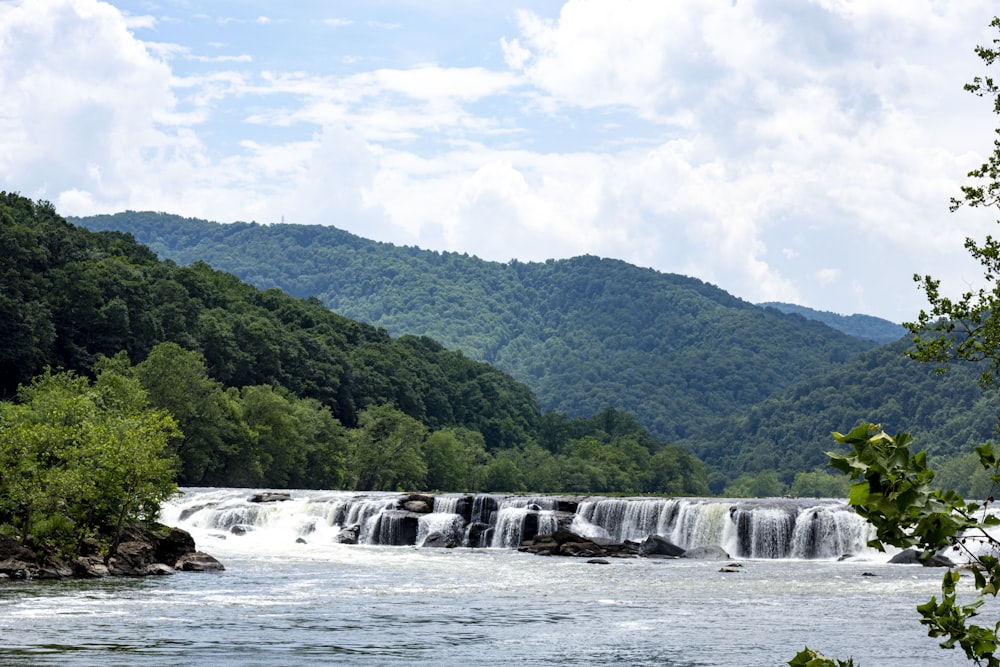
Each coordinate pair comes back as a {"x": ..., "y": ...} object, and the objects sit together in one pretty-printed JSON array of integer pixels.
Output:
[
  {"x": 583, "y": 333},
  {"x": 860, "y": 326},
  {"x": 268, "y": 390},
  {"x": 70, "y": 296},
  {"x": 947, "y": 414}
]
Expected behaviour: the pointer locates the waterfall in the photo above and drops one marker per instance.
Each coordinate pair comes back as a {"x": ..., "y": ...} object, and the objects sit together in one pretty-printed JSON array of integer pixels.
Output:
[
  {"x": 698, "y": 523},
  {"x": 773, "y": 528},
  {"x": 621, "y": 518}
]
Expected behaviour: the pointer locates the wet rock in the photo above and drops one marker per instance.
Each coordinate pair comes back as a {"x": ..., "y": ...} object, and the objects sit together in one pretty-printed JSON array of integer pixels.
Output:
[
  {"x": 656, "y": 546},
  {"x": 479, "y": 534},
  {"x": 912, "y": 557},
  {"x": 300, "y": 540},
  {"x": 711, "y": 552},
  {"x": 141, "y": 552},
  {"x": 349, "y": 535},
  {"x": 438, "y": 540},
  {"x": 598, "y": 561},
  {"x": 270, "y": 497},
  {"x": 729, "y": 568},
  {"x": 240, "y": 530},
  {"x": 417, "y": 506},
  {"x": 418, "y": 503},
  {"x": 396, "y": 528},
  {"x": 199, "y": 562}
]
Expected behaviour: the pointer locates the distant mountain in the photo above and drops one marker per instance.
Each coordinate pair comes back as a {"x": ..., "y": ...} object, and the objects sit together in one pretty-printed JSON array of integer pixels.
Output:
[
  {"x": 861, "y": 326},
  {"x": 946, "y": 413},
  {"x": 583, "y": 333}
]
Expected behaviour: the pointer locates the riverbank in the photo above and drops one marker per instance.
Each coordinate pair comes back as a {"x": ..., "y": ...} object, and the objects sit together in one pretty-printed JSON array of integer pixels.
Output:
[{"x": 142, "y": 551}]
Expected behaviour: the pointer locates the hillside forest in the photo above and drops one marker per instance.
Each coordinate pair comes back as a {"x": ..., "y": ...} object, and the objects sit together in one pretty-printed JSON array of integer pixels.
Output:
[
  {"x": 754, "y": 391},
  {"x": 266, "y": 390}
]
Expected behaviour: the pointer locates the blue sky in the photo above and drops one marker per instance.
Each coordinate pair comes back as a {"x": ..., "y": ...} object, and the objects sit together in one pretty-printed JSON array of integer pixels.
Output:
[{"x": 792, "y": 150}]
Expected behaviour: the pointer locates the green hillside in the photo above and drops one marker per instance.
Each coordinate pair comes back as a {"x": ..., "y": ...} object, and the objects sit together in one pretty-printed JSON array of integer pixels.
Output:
[
  {"x": 583, "y": 333},
  {"x": 860, "y": 326},
  {"x": 270, "y": 390},
  {"x": 947, "y": 414}
]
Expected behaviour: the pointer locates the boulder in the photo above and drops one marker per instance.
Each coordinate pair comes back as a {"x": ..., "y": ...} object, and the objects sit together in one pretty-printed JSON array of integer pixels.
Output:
[
  {"x": 199, "y": 562},
  {"x": 598, "y": 561},
  {"x": 423, "y": 503},
  {"x": 479, "y": 534},
  {"x": 349, "y": 535},
  {"x": 707, "y": 553},
  {"x": 417, "y": 506},
  {"x": 912, "y": 557},
  {"x": 270, "y": 497},
  {"x": 141, "y": 551},
  {"x": 20, "y": 562},
  {"x": 658, "y": 547},
  {"x": 438, "y": 540}
]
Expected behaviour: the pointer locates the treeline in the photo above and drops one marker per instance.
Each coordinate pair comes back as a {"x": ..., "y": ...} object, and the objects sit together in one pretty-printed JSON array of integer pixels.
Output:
[
  {"x": 582, "y": 333},
  {"x": 947, "y": 414},
  {"x": 269, "y": 390},
  {"x": 859, "y": 326}
]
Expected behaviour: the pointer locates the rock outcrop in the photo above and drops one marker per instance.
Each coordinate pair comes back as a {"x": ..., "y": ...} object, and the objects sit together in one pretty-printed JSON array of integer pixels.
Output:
[{"x": 141, "y": 552}]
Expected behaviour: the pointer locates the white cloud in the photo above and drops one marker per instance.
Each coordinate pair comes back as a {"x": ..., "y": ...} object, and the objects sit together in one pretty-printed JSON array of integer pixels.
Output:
[{"x": 743, "y": 143}]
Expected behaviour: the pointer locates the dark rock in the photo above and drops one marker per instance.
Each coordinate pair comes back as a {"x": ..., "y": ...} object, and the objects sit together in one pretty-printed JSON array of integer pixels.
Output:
[
  {"x": 729, "y": 568},
  {"x": 270, "y": 497},
  {"x": 199, "y": 562},
  {"x": 464, "y": 508},
  {"x": 479, "y": 535},
  {"x": 529, "y": 526},
  {"x": 438, "y": 540},
  {"x": 654, "y": 545},
  {"x": 568, "y": 505},
  {"x": 396, "y": 528},
  {"x": 599, "y": 561},
  {"x": 533, "y": 507},
  {"x": 141, "y": 551},
  {"x": 868, "y": 574},
  {"x": 187, "y": 512},
  {"x": 240, "y": 529},
  {"x": 711, "y": 552},
  {"x": 912, "y": 557},
  {"x": 300, "y": 540},
  {"x": 349, "y": 535}
]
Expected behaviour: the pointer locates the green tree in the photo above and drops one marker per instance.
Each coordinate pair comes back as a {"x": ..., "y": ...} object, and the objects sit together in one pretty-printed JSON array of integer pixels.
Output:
[
  {"x": 818, "y": 484},
  {"x": 79, "y": 461},
  {"x": 895, "y": 490},
  {"x": 386, "y": 450}
]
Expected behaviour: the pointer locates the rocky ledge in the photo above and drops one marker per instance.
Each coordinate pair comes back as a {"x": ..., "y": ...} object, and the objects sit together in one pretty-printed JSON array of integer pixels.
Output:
[
  {"x": 568, "y": 543},
  {"x": 141, "y": 552}
]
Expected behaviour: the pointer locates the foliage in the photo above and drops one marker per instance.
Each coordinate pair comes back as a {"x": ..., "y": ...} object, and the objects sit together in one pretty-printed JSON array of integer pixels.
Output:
[
  {"x": 948, "y": 414},
  {"x": 274, "y": 391},
  {"x": 809, "y": 658},
  {"x": 857, "y": 325},
  {"x": 81, "y": 460},
  {"x": 582, "y": 333},
  {"x": 894, "y": 491}
]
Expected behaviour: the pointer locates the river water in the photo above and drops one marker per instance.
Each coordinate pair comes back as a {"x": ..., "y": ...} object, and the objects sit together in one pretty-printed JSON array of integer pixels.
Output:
[{"x": 280, "y": 602}]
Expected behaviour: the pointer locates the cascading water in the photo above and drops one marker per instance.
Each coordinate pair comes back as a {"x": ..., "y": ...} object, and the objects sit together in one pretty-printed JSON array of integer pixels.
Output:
[{"x": 774, "y": 528}]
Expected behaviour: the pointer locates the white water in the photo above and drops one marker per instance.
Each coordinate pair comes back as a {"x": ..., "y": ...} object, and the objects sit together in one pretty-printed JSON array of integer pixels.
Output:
[{"x": 282, "y": 601}]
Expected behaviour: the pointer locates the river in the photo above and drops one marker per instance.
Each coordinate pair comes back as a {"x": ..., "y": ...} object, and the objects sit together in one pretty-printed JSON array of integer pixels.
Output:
[{"x": 282, "y": 602}]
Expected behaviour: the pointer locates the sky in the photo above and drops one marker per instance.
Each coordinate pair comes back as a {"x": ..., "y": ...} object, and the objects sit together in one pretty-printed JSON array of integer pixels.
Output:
[{"x": 803, "y": 151}]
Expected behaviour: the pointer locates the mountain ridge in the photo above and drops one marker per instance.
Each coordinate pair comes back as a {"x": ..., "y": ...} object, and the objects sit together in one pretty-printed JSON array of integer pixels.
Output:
[{"x": 584, "y": 333}]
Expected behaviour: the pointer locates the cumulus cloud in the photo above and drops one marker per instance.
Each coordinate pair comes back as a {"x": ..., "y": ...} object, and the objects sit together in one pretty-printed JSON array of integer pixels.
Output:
[{"x": 793, "y": 150}]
